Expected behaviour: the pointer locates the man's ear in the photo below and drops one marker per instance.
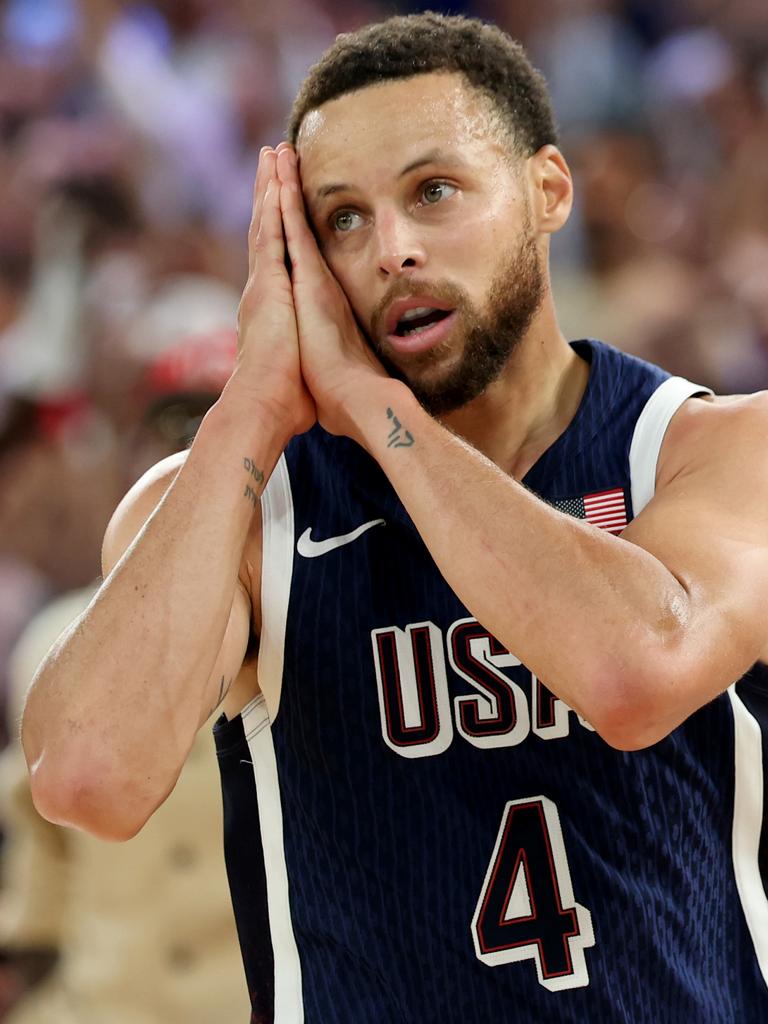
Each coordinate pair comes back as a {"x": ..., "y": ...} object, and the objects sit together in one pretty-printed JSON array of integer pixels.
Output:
[{"x": 551, "y": 188}]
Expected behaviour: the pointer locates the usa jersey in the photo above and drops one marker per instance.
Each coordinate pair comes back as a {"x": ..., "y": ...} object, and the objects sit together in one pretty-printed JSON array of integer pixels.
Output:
[{"x": 417, "y": 830}]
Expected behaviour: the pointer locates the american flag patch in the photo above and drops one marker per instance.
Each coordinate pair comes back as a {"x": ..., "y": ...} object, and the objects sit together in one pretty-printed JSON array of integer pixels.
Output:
[{"x": 606, "y": 509}]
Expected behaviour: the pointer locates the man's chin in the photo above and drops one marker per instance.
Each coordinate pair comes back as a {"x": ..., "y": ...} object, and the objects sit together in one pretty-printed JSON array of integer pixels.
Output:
[
  {"x": 455, "y": 381},
  {"x": 438, "y": 390},
  {"x": 429, "y": 384},
  {"x": 423, "y": 369}
]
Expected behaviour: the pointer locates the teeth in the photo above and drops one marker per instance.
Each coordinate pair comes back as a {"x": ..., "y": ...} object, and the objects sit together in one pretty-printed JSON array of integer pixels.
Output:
[
  {"x": 412, "y": 314},
  {"x": 417, "y": 330}
]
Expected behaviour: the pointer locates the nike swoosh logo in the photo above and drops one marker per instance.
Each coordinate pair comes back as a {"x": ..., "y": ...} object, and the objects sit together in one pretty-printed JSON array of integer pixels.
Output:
[{"x": 309, "y": 548}]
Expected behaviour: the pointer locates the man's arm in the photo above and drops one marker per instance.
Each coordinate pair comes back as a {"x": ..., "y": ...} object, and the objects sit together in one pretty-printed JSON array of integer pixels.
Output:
[
  {"x": 635, "y": 632},
  {"x": 114, "y": 707}
]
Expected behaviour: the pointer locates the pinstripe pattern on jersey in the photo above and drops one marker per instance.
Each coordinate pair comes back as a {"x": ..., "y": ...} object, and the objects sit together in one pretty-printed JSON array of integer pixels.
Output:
[{"x": 386, "y": 855}]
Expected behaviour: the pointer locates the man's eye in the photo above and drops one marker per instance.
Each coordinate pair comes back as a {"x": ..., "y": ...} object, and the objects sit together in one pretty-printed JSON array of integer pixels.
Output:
[
  {"x": 345, "y": 220},
  {"x": 434, "y": 191}
]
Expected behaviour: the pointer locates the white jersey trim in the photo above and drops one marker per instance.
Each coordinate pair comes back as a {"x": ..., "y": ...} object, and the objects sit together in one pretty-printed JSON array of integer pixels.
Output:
[
  {"x": 748, "y": 809},
  {"x": 276, "y": 574},
  {"x": 748, "y": 799},
  {"x": 289, "y": 1002},
  {"x": 258, "y": 717},
  {"x": 650, "y": 430}
]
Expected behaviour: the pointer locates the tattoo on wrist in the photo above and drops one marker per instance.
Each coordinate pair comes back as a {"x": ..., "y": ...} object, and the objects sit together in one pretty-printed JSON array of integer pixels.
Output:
[
  {"x": 397, "y": 437},
  {"x": 250, "y": 467},
  {"x": 258, "y": 475}
]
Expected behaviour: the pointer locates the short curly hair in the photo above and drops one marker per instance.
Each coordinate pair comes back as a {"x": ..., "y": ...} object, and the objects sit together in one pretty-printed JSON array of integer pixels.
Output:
[{"x": 417, "y": 44}]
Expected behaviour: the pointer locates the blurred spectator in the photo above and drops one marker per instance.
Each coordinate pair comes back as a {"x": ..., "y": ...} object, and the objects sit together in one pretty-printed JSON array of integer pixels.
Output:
[
  {"x": 670, "y": 229},
  {"x": 104, "y": 296},
  {"x": 137, "y": 933},
  {"x": 592, "y": 60},
  {"x": 54, "y": 501},
  {"x": 128, "y": 139},
  {"x": 632, "y": 286}
]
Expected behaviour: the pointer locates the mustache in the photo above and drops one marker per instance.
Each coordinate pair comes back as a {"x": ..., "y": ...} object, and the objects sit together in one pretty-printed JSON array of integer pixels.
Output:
[{"x": 405, "y": 289}]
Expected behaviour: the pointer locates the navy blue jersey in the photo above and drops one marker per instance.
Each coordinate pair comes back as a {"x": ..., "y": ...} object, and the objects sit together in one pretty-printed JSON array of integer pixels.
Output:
[{"x": 418, "y": 830}]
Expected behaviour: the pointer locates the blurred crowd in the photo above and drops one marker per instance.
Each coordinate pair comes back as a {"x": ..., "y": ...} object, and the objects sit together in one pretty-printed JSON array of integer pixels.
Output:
[{"x": 128, "y": 141}]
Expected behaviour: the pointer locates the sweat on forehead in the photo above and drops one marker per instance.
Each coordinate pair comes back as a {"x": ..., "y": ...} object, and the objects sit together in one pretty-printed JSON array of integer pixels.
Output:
[
  {"x": 402, "y": 48},
  {"x": 435, "y": 112}
]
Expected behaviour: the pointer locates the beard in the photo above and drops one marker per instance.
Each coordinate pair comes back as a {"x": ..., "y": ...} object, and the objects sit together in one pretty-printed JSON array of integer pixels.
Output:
[{"x": 490, "y": 337}]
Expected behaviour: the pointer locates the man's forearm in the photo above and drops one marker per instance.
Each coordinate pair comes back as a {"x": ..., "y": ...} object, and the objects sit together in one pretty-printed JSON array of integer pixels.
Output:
[
  {"x": 584, "y": 610},
  {"x": 116, "y": 704}
]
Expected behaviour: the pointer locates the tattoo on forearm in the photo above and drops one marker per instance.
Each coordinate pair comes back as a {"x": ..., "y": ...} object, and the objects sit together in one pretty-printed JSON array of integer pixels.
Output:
[
  {"x": 258, "y": 475},
  {"x": 223, "y": 691},
  {"x": 250, "y": 467},
  {"x": 397, "y": 437}
]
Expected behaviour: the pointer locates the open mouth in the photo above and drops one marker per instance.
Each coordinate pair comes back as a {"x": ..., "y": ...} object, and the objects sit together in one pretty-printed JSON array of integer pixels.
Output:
[{"x": 419, "y": 319}]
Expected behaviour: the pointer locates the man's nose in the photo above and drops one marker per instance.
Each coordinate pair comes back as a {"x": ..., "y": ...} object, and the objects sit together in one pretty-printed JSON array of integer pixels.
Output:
[{"x": 400, "y": 248}]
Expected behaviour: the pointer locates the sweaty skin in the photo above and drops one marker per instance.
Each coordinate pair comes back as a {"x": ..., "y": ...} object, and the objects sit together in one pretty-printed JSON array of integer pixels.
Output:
[
  {"x": 670, "y": 607},
  {"x": 652, "y": 625},
  {"x": 459, "y": 240}
]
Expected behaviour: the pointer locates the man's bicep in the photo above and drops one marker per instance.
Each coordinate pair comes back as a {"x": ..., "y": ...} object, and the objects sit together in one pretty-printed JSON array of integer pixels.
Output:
[{"x": 709, "y": 528}]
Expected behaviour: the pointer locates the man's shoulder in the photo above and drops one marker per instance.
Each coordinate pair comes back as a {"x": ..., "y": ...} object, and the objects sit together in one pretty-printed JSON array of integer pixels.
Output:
[
  {"x": 712, "y": 429},
  {"x": 160, "y": 475},
  {"x": 137, "y": 505}
]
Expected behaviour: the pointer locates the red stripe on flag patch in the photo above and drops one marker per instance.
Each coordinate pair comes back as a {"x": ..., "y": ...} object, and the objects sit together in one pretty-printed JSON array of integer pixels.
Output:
[{"x": 607, "y": 509}]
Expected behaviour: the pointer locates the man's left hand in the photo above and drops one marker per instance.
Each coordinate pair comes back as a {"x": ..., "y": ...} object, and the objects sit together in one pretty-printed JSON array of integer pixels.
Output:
[{"x": 337, "y": 364}]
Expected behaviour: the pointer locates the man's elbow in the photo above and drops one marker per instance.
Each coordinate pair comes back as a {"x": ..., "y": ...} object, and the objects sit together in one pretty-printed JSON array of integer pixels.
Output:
[
  {"x": 76, "y": 798},
  {"x": 634, "y": 709},
  {"x": 630, "y": 731}
]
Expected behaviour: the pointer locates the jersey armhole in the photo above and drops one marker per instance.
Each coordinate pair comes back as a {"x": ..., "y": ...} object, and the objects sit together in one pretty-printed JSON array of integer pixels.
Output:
[
  {"x": 650, "y": 429},
  {"x": 278, "y": 539}
]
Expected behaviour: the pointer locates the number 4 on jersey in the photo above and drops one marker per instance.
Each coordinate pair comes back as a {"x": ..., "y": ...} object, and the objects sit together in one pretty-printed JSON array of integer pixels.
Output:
[{"x": 526, "y": 910}]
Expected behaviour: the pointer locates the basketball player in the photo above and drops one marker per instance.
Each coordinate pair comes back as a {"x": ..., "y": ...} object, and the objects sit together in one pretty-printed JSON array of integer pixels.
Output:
[{"x": 493, "y": 764}]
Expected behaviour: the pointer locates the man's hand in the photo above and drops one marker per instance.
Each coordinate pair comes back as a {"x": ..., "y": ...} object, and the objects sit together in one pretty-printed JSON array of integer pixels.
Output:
[
  {"x": 268, "y": 367},
  {"x": 168, "y": 630},
  {"x": 336, "y": 362}
]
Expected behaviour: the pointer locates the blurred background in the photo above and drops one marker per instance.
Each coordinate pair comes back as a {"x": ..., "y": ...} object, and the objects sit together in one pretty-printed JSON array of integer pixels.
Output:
[{"x": 128, "y": 142}]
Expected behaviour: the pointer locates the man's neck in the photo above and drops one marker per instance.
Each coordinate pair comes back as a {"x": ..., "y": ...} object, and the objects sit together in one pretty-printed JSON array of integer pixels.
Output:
[{"x": 531, "y": 404}]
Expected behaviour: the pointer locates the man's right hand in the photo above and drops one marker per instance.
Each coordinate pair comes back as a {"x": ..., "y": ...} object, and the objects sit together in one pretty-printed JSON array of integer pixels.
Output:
[
  {"x": 113, "y": 710},
  {"x": 268, "y": 367}
]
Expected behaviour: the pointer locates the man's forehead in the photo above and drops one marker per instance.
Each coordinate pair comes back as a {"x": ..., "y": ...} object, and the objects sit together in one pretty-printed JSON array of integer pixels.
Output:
[{"x": 389, "y": 122}]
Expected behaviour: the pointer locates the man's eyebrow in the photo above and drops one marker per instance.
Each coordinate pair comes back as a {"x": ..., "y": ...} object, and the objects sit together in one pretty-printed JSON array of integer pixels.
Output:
[
  {"x": 328, "y": 190},
  {"x": 434, "y": 156}
]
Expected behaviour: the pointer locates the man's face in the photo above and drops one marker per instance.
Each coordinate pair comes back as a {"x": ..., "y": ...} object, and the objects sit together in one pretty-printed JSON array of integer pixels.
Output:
[{"x": 422, "y": 215}]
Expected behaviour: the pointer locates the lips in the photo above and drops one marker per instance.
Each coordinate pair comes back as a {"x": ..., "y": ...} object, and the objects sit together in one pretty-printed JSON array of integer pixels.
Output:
[
  {"x": 416, "y": 310},
  {"x": 422, "y": 340}
]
